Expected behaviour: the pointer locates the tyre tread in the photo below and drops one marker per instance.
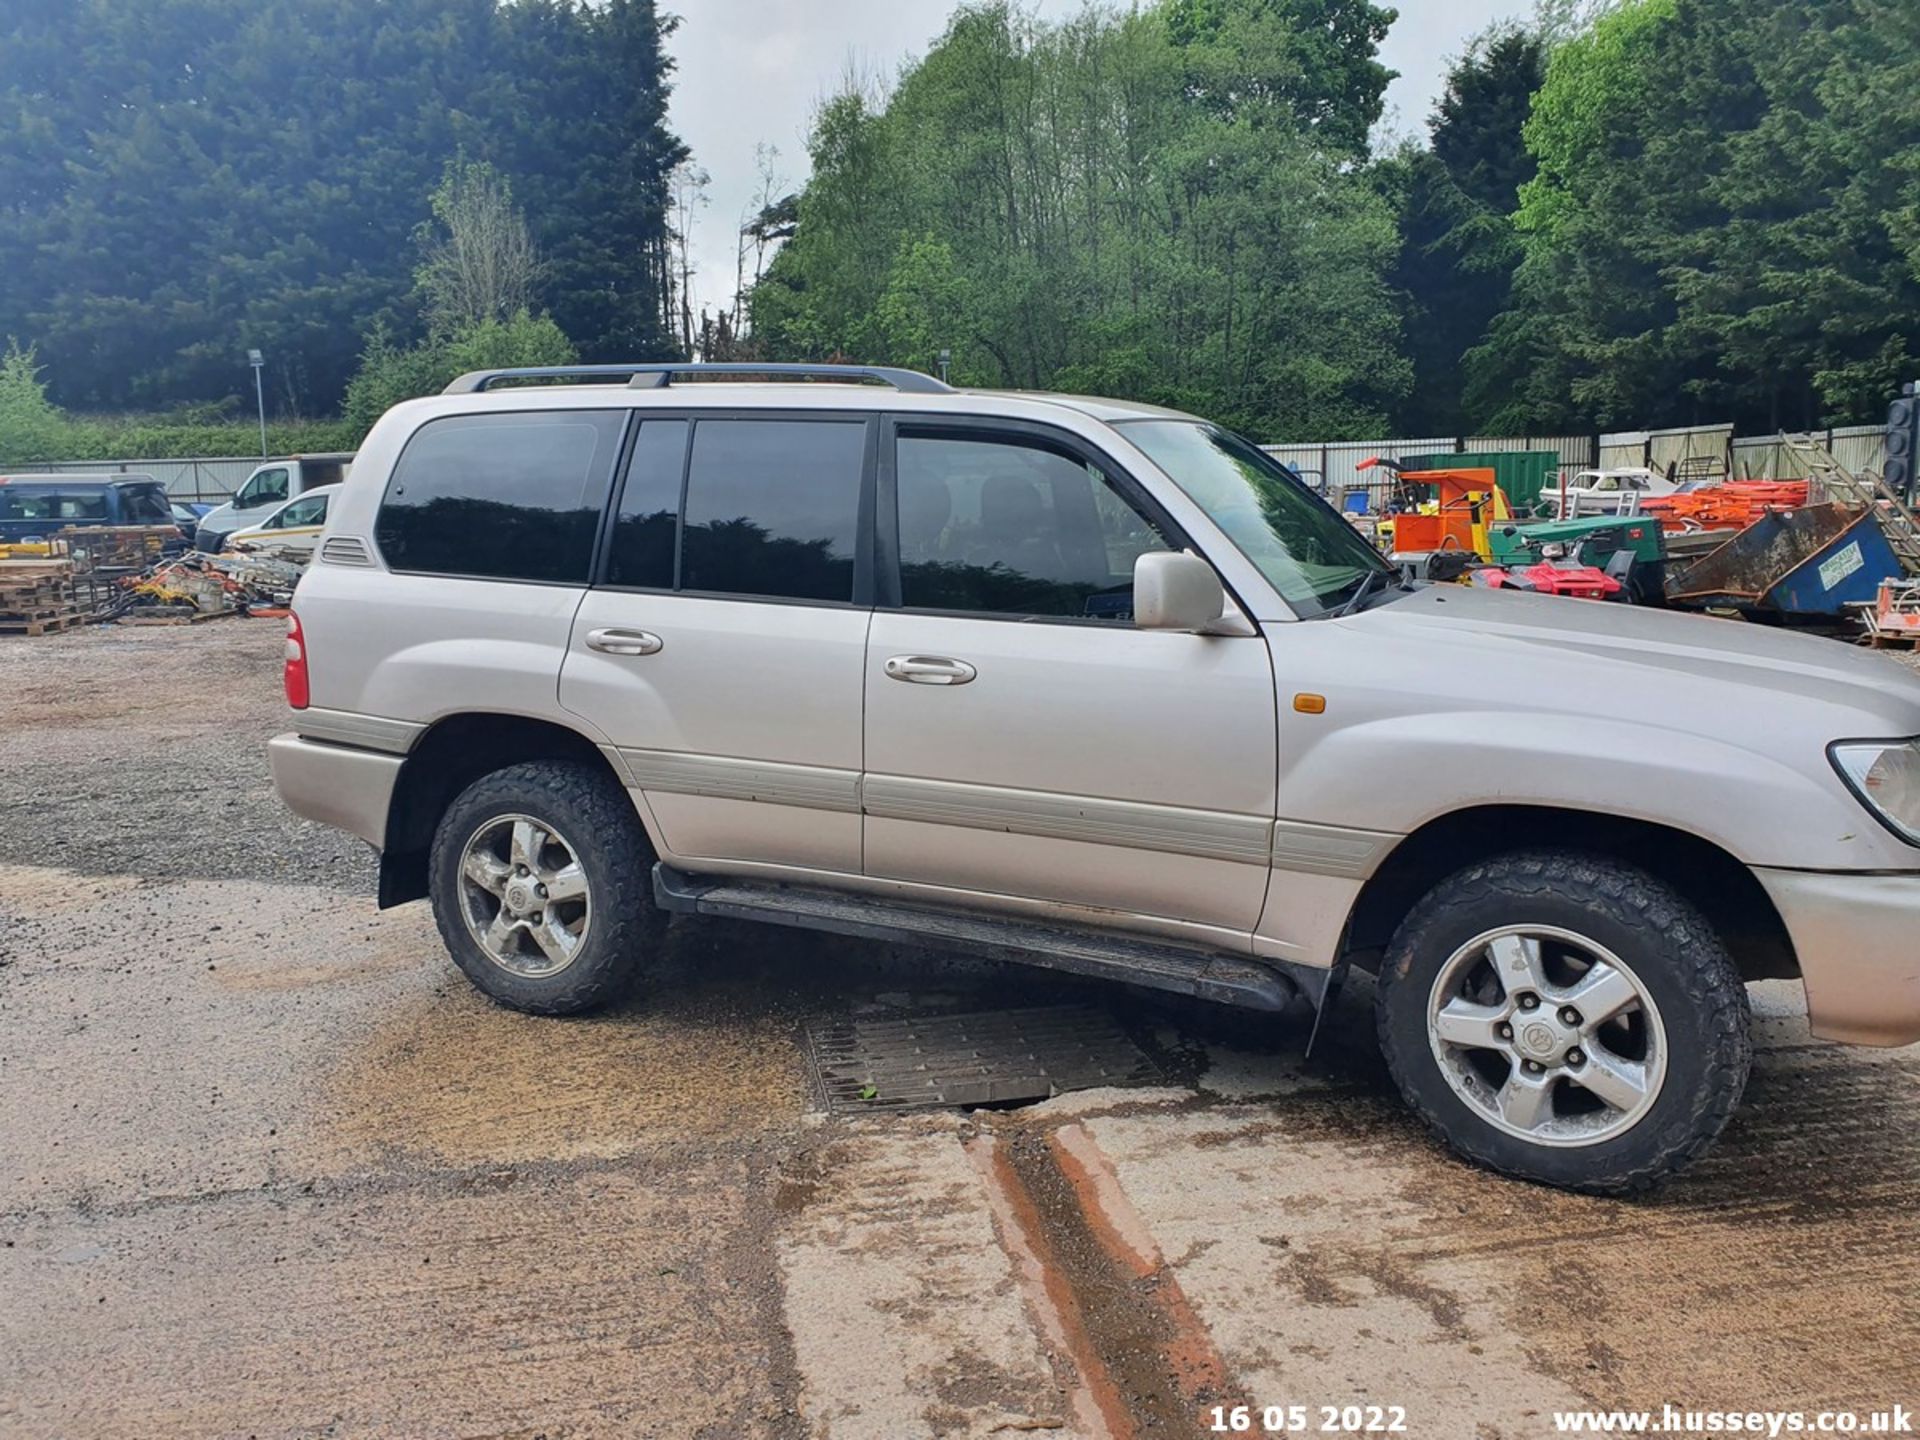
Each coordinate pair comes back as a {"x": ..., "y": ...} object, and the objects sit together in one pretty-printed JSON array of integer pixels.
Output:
[
  {"x": 1703, "y": 969},
  {"x": 625, "y": 919}
]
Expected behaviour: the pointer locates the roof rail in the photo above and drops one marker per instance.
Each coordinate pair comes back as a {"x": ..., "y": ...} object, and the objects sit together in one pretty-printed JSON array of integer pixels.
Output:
[{"x": 655, "y": 375}]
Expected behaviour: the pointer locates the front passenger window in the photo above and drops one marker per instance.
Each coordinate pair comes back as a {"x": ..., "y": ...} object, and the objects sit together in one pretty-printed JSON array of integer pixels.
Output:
[{"x": 1013, "y": 528}]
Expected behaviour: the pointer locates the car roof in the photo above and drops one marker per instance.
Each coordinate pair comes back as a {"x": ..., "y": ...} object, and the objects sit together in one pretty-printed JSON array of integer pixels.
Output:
[{"x": 72, "y": 480}]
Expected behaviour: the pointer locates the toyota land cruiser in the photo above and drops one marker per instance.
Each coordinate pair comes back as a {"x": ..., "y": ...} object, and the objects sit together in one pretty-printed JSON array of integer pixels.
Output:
[{"x": 1100, "y": 686}]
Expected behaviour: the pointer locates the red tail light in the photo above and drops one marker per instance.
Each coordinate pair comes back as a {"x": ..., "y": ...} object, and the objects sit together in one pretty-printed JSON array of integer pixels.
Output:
[{"x": 295, "y": 674}]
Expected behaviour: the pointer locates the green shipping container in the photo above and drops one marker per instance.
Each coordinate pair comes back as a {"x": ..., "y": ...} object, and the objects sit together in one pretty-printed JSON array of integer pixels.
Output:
[{"x": 1523, "y": 474}]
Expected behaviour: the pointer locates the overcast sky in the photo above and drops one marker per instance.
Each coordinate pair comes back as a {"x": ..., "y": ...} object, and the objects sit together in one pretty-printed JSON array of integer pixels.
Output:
[{"x": 753, "y": 70}]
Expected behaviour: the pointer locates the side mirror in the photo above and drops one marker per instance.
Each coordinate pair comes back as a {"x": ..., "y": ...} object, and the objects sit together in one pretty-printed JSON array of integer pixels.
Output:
[{"x": 1176, "y": 591}]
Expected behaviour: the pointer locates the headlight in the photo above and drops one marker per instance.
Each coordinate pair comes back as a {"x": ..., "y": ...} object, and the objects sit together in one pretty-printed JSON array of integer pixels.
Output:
[{"x": 1885, "y": 774}]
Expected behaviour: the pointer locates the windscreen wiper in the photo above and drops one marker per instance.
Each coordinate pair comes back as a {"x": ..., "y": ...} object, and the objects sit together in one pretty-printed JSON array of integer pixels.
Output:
[{"x": 1360, "y": 593}]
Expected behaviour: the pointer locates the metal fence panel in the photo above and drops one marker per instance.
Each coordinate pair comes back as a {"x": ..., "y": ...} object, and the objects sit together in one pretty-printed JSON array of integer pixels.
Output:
[
  {"x": 1860, "y": 447},
  {"x": 1758, "y": 457},
  {"x": 1667, "y": 448},
  {"x": 1621, "y": 450},
  {"x": 1763, "y": 457}
]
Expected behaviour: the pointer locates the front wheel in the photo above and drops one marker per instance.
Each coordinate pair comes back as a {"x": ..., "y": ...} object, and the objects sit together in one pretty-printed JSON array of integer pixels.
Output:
[
  {"x": 1566, "y": 1019},
  {"x": 539, "y": 879}
]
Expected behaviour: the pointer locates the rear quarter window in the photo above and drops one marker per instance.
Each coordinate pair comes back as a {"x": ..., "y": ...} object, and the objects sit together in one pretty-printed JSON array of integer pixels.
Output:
[{"x": 514, "y": 496}]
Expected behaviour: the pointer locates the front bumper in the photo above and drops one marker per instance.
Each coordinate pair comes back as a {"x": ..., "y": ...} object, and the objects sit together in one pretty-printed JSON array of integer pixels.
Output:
[
  {"x": 1858, "y": 941},
  {"x": 335, "y": 784}
]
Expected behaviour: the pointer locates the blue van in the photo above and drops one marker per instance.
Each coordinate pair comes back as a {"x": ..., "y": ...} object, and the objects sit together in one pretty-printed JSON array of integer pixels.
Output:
[{"x": 33, "y": 507}]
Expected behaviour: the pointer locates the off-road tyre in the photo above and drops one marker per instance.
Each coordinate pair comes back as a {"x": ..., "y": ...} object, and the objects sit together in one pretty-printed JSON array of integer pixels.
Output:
[
  {"x": 612, "y": 848},
  {"x": 1652, "y": 928}
]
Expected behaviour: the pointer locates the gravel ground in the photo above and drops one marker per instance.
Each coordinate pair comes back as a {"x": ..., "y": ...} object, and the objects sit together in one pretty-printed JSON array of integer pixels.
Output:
[{"x": 141, "y": 751}]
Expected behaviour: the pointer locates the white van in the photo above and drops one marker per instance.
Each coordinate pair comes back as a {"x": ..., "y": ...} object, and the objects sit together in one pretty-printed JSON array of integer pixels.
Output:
[{"x": 273, "y": 483}]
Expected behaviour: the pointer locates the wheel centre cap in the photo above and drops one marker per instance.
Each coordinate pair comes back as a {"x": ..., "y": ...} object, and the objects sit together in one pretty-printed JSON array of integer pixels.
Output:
[
  {"x": 1539, "y": 1040},
  {"x": 519, "y": 897}
]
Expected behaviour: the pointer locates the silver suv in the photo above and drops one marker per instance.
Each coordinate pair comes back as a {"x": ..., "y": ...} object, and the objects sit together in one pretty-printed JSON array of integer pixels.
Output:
[{"x": 1103, "y": 687}]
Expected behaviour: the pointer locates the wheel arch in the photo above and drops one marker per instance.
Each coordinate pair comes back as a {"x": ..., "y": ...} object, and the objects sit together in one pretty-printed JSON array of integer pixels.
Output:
[
  {"x": 1725, "y": 890},
  {"x": 453, "y": 753}
]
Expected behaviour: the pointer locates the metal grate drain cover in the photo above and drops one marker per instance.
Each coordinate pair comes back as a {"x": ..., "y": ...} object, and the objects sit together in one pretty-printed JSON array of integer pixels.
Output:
[{"x": 988, "y": 1058}]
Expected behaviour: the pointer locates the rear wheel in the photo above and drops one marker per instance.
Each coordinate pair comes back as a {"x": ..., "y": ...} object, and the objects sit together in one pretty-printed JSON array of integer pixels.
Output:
[
  {"x": 1566, "y": 1019},
  {"x": 540, "y": 876}
]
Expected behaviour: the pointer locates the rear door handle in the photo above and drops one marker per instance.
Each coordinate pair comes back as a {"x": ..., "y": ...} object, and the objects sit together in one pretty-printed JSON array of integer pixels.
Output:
[
  {"x": 929, "y": 670},
  {"x": 624, "y": 642}
]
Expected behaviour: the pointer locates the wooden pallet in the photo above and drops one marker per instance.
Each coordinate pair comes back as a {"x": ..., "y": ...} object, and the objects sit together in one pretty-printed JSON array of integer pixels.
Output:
[
  {"x": 50, "y": 625},
  {"x": 31, "y": 604}
]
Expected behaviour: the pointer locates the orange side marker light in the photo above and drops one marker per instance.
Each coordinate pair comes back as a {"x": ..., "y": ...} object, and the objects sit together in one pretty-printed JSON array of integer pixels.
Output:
[{"x": 1309, "y": 704}]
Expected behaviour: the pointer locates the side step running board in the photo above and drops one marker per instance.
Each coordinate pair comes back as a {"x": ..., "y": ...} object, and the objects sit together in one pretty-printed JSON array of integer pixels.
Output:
[{"x": 1207, "y": 974}]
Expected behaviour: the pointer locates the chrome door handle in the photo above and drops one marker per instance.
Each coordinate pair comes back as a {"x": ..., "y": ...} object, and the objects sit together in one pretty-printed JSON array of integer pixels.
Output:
[
  {"x": 624, "y": 642},
  {"x": 929, "y": 670}
]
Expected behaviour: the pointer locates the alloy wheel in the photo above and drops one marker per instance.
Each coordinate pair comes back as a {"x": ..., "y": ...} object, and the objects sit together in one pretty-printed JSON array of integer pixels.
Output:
[
  {"x": 1547, "y": 1035},
  {"x": 524, "y": 896}
]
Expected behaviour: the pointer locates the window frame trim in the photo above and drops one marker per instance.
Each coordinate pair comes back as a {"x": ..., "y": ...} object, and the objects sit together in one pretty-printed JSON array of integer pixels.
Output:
[
  {"x": 1004, "y": 430},
  {"x": 621, "y": 444},
  {"x": 865, "y": 557}
]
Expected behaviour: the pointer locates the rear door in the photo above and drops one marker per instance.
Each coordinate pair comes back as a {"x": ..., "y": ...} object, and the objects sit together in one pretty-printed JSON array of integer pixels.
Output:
[
  {"x": 721, "y": 650},
  {"x": 1023, "y": 738}
]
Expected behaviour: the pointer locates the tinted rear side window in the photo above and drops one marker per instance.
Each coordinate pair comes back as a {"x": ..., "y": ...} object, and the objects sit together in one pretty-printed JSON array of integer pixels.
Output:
[
  {"x": 645, "y": 532},
  {"x": 511, "y": 497},
  {"x": 773, "y": 508}
]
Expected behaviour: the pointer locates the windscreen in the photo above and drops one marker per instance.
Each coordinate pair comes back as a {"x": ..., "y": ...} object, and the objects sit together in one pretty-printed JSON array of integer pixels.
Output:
[{"x": 1312, "y": 556}]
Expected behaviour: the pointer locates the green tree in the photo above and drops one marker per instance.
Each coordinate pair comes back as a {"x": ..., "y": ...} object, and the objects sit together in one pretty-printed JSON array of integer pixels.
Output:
[
  {"x": 183, "y": 179},
  {"x": 479, "y": 262},
  {"x": 1313, "y": 64},
  {"x": 390, "y": 373},
  {"x": 1458, "y": 249},
  {"x": 1718, "y": 229},
  {"x": 923, "y": 308},
  {"x": 1161, "y": 204},
  {"x": 31, "y": 427}
]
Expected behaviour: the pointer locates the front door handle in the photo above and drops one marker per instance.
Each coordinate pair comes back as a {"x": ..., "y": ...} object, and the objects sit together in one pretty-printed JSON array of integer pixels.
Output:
[
  {"x": 929, "y": 670},
  {"x": 624, "y": 642}
]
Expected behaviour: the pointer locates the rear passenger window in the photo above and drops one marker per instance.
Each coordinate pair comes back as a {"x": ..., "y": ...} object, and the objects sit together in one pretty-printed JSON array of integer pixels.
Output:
[
  {"x": 646, "y": 531},
  {"x": 769, "y": 507},
  {"x": 1012, "y": 528},
  {"x": 509, "y": 497}
]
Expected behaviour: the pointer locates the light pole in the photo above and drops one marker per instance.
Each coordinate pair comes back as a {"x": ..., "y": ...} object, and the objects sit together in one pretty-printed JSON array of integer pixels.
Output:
[{"x": 257, "y": 360}]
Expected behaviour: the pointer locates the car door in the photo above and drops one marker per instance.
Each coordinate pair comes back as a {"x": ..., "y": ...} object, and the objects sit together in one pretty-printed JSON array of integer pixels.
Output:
[
  {"x": 721, "y": 649},
  {"x": 1023, "y": 738}
]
